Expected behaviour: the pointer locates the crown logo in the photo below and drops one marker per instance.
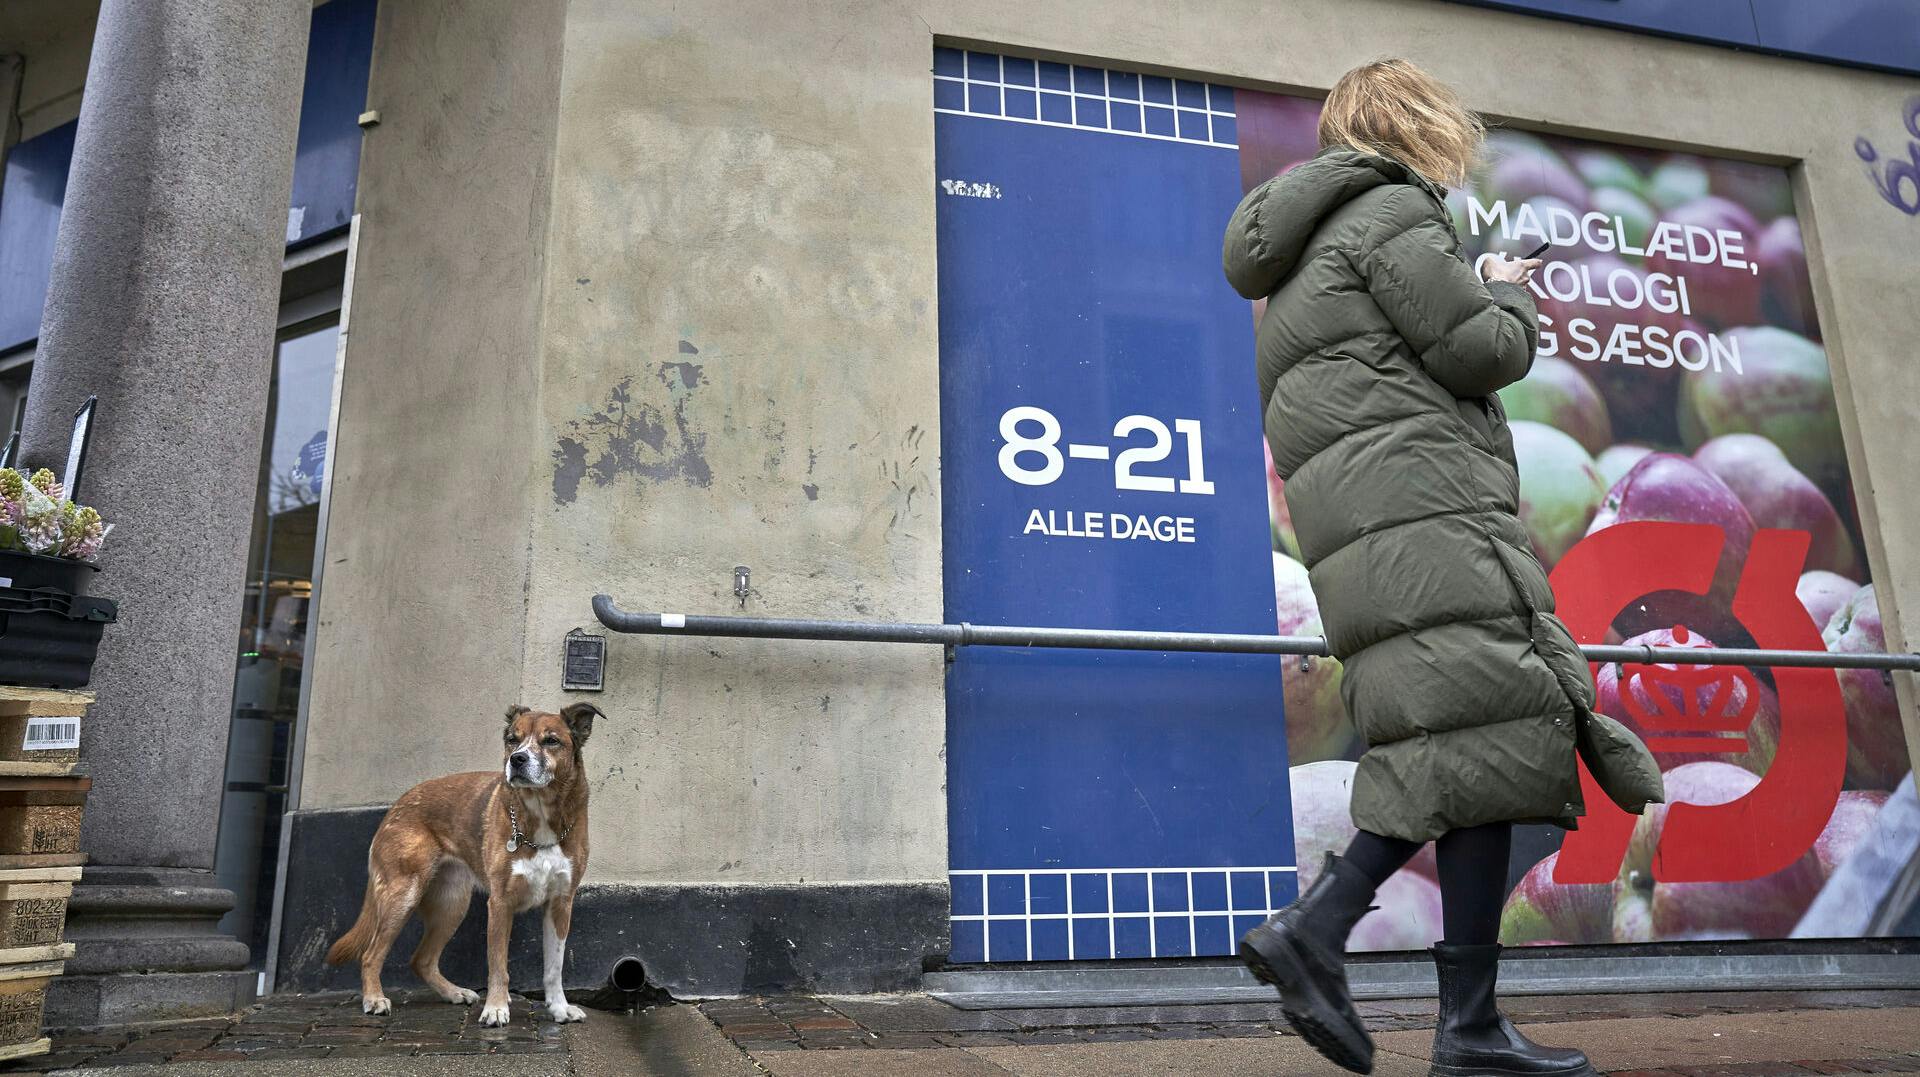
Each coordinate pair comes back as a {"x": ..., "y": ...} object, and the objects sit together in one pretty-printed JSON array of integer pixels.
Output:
[{"x": 1691, "y": 708}]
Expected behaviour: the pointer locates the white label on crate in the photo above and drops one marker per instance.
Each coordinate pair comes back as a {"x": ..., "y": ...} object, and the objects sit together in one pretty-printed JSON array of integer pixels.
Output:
[
  {"x": 47, "y": 734},
  {"x": 6, "y": 581}
]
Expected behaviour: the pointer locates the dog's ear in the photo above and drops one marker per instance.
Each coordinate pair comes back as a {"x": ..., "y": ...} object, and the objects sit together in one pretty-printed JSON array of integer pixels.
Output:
[
  {"x": 579, "y": 718},
  {"x": 516, "y": 711}
]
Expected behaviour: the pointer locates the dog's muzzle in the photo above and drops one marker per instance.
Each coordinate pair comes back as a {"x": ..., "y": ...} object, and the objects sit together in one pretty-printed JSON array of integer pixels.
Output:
[{"x": 525, "y": 769}]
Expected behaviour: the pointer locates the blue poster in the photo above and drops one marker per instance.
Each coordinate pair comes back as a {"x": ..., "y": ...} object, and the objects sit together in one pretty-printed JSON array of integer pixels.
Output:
[
  {"x": 1102, "y": 468},
  {"x": 310, "y": 464}
]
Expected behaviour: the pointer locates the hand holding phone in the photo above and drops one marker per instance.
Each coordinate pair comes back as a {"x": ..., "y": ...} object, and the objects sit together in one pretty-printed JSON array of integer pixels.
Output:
[{"x": 1512, "y": 271}]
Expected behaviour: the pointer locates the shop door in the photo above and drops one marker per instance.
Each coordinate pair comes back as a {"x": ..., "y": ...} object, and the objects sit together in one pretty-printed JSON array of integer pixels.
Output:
[
  {"x": 270, "y": 667},
  {"x": 1102, "y": 468}
]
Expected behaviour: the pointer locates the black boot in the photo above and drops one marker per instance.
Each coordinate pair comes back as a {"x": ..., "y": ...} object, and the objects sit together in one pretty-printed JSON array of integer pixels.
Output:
[
  {"x": 1301, "y": 950},
  {"x": 1473, "y": 1039}
]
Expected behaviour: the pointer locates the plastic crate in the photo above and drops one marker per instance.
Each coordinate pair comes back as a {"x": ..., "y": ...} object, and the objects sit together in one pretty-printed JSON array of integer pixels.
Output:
[
  {"x": 49, "y": 638},
  {"x": 32, "y": 571}
]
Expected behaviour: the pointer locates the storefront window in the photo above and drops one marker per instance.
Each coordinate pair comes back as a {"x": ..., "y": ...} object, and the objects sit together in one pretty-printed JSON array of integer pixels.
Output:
[{"x": 273, "y": 627}]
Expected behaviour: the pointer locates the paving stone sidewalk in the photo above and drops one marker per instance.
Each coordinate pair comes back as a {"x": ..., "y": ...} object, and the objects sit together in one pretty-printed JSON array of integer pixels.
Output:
[
  {"x": 1720, "y": 1034},
  {"x": 1750, "y": 1034},
  {"x": 295, "y": 1027}
]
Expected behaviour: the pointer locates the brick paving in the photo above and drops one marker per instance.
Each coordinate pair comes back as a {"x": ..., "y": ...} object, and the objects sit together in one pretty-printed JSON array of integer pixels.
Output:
[
  {"x": 765, "y": 1028},
  {"x": 1910, "y": 1064},
  {"x": 782, "y": 1035},
  {"x": 309, "y": 1027}
]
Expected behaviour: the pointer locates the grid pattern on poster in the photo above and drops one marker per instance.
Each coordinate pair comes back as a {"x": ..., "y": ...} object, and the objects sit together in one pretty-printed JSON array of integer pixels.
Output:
[
  {"x": 1095, "y": 913},
  {"x": 1054, "y": 94}
]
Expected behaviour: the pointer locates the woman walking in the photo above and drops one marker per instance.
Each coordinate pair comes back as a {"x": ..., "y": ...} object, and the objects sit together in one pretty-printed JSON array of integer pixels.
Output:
[{"x": 1379, "y": 354}]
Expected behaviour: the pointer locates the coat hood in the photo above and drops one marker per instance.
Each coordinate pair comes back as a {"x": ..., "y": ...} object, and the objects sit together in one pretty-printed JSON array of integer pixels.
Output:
[{"x": 1270, "y": 230}]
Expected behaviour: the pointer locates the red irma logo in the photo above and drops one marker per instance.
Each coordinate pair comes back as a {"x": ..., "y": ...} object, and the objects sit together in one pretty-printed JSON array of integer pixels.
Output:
[
  {"x": 1775, "y": 823},
  {"x": 1712, "y": 705}
]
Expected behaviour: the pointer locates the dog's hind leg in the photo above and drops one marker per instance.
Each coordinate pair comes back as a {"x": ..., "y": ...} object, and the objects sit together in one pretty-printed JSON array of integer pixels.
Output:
[
  {"x": 393, "y": 898},
  {"x": 442, "y": 908}
]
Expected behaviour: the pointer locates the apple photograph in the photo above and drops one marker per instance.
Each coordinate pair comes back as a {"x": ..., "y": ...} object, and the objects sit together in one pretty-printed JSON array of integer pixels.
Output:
[{"x": 1683, "y": 480}]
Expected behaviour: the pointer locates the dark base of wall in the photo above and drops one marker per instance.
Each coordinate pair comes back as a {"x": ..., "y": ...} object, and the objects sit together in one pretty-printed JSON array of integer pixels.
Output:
[{"x": 695, "y": 940}]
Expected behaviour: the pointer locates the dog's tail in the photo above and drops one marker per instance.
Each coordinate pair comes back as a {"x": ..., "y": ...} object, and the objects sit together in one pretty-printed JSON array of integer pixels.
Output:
[{"x": 354, "y": 942}]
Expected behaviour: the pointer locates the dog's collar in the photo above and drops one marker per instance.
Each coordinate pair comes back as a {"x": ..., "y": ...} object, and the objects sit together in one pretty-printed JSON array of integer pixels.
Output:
[{"x": 516, "y": 839}]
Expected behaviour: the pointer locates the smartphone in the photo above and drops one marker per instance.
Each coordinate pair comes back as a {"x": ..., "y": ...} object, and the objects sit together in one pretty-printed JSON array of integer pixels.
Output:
[{"x": 1536, "y": 252}]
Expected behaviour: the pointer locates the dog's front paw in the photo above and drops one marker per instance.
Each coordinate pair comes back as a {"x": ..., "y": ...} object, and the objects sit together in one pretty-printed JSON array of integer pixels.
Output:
[
  {"x": 496, "y": 1016},
  {"x": 375, "y": 1004},
  {"x": 461, "y": 996},
  {"x": 565, "y": 1012}
]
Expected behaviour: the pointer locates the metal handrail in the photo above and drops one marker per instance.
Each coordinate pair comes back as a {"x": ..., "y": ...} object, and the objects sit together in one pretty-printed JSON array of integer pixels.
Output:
[{"x": 972, "y": 635}]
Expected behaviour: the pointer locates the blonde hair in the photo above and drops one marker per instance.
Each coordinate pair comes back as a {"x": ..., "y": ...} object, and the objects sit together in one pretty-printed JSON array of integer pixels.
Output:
[{"x": 1392, "y": 108}]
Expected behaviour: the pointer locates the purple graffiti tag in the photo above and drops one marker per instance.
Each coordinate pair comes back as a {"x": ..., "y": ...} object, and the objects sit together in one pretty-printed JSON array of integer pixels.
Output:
[{"x": 1899, "y": 181}]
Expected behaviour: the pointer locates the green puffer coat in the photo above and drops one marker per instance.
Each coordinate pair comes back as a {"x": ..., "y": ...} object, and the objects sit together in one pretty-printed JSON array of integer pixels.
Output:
[{"x": 1379, "y": 354}]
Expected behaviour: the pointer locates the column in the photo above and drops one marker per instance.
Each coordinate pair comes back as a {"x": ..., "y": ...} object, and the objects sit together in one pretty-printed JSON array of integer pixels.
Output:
[{"x": 162, "y": 303}]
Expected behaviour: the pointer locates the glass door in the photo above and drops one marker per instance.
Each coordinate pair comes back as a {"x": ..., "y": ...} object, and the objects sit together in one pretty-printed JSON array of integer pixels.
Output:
[{"x": 271, "y": 648}]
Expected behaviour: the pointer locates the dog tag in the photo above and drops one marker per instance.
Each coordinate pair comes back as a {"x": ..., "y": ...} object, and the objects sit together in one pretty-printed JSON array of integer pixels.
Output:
[{"x": 512, "y": 843}]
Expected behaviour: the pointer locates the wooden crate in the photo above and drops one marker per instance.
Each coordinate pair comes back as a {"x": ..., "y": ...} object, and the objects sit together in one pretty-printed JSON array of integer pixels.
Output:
[
  {"x": 41, "y": 815},
  {"x": 34, "y": 955},
  {"x": 33, "y": 905},
  {"x": 16, "y": 861},
  {"x": 33, "y": 914},
  {"x": 32, "y": 1047},
  {"x": 41, "y": 805},
  {"x": 23, "y": 1002},
  {"x": 18, "y": 707}
]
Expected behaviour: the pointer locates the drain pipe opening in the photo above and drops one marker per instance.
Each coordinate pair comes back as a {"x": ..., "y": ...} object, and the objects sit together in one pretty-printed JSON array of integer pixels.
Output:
[{"x": 628, "y": 975}]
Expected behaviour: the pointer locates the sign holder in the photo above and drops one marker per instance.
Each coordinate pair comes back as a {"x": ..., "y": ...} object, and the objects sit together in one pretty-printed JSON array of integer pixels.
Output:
[
  {"x": 77, "y": 447},
  {"x": 583, "y": 667}
]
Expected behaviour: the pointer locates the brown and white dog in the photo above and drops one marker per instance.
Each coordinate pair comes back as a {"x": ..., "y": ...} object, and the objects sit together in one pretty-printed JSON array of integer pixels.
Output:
[{"x": 518, "y": 834}]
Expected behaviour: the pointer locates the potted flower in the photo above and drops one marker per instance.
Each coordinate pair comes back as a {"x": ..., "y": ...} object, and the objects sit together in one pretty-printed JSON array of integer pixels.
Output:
[{"x": 49, "y": 629}]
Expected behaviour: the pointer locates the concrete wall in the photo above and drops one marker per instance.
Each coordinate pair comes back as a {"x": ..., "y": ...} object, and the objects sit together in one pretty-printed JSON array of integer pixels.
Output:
[
  {"x": 421, "y": 614},
  {"x": 742, "y": 247},
  {"x": 711, "y": 341},
  {"x": 702, "y": 394}
]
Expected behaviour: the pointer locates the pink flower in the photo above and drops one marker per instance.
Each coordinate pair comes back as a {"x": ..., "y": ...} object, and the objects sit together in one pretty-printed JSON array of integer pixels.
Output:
[
  {"x": 83, "y": 535},
  {"x": 44, "y": 482}
]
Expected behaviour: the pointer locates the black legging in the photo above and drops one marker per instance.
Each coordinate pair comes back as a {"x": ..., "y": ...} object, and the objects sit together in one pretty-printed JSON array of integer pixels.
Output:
[{"x": 1473, "y": 875}]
